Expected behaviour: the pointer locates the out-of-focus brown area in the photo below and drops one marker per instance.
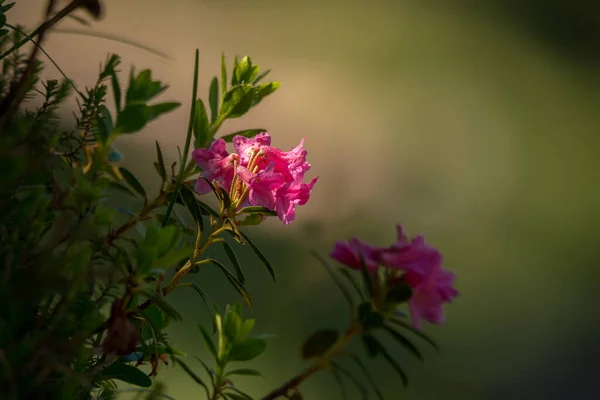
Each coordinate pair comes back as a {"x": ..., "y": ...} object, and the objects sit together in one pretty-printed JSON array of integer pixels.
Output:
[{"x": 475, "y": 125}]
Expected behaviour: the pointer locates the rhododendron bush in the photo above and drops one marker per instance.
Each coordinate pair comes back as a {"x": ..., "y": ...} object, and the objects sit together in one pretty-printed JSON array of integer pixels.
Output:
[{"x": 90, "y": 257}]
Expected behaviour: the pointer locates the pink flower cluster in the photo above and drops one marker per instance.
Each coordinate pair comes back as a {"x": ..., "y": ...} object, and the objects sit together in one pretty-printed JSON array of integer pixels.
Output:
[
  {"x": 258, "y": 174},
  {"x": 432, "y": 286}
]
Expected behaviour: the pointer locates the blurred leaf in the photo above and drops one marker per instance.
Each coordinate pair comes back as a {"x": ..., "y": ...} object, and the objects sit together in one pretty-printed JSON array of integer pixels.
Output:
[
  {"x": 208, "y": 209},
  {"x": 237, "y": 101},
  {"x": 363, "y": 390},
  {"x": 366, "y": 276},
  {"x": 160, "y": 163},
  {"x": 245, "y": 133},
  {"x": 210, "y": 373},
  {"x": 367, "y": 375},
  {"x": 133, "y": 118},
  {"x": 319, "y": 343},
  {"x": 404, "y": 342},
  {"x": 132, "y": 181},
  {"x": 192, "y": 374},
  {"x": 116, "y": 88},
  {"x": 252, "y": 220},
  {"x": 173, "y": 257},
  {"x": 208, "y": 342},
  {"x": 213, "y": 99},
  {"x": 234, "y": 261},
  {"x": 265, "y": 90},
  {"x": 340, "y": 383},
  {"x": 104, "y": 126},
  {"x": 261, "y": 77},
  {"x": 234, "y": 282},
  {"x": 161, "y": 303},
  {"x": 381, "y": 350},
  {"x": 126, "y": 373},
  {"x": 162, "y": 108},
  {"x": 237, "y": 395},
  {"x": 243, "y": 371},
  {"x": 201, "y": 127},
  {"x": 350, "y": 277},
  {"x": 206, "y": 299},
  {"x": 339, "y": 284},
  {"x": 260, "y": 255},
  {"x": 189, "y": 200},
  {"x": 369, "y": 317},
  {"x": 369, "y": 342},
  {"x": 415, "y": 331},
  {"x": 223, "y": 74},
  {"x": 247, "y": 350},
  {"x": 257, "y": 210}
]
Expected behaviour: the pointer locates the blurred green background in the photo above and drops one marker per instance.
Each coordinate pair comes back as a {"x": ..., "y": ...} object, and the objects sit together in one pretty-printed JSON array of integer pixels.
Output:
[{"x": 475, "y": 124}]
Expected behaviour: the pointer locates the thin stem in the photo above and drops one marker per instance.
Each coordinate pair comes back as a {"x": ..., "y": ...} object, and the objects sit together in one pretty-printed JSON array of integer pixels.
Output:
[{"x": 321, "y": 363}]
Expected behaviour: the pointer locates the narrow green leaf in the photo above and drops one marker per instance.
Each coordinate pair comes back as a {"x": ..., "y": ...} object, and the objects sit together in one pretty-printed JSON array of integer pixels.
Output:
[
  {"x": 404, "y": 342},
  {"x": 234, "y": 75},
  {"x": 208, "y": 209},
  {"x": 132, "y": 181},
  {"x": 210, "y": 373},
  {"x": 340, "y": 382},
  {"x": 245, "y": 133},
  {"x": 370, "y": 344},
  {"x": 261, "y": 77},
  {"x": 116, "y": 89},
  {"x": 381, "y": 350},
  {"x": 213, "y": 99},
  {"x": 367, "y": 375},
  {"x": 187, "y": 139},
  {"x": 319, "y": 343},
  {"x": 363, "y": 390},
  {"x": 415, "y": 331},
  {"x": 208, "y": 341},
  {"x": 234, "y": 282},
  {"x": 202, "y": 135},
  {"x": 257, "y": 210},
  {"x": 260, "y": 255},
  {"x": 173, "y": 257},
  {"x": 126, "y": 373},
  {"x": 234, "y": 261},
  {"x": 237, "y": 394},
  {"x": 243, "y": 371},
  {"x": 206, "y": 299},
  {"x": 192, "y": 374},
  {"x": 223, "y": 74},
  {"x": 189, "y": 200},
  {"x": 348, "y": 275},
  {"x": 366, "y": 276},
  {"x": 162, "y": 108},
  {"x": 343, "y": 288},
  {"x": 237, "y": 101},
  {"x": 247, "y": 350},
  {"x": 161, "y": 303},
  {"x": 160, "y": 163},
  {"x": 119, "y": 186},
  {"x": 265, "y": 90}
]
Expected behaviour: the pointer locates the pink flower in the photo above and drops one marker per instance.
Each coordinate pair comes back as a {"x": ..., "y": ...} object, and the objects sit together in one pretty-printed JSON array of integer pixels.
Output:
[
  {"x": 432, "y": 287},
  {"x": 348, "y": 253},
  {"x": 258, "y": 174},
  {"x": 408, "y": 255}
]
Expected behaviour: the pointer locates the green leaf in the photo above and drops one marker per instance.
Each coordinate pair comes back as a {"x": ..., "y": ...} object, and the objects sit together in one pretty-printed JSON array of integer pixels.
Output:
[
  {"x": 126, "y": 373},
  {"x": 173, "y": 257},
  {"x": 415, "y": 331},
  {"x": 223, "y": 74},
  {"x": 162, "y": 108},
  {"x": 247, "y": 350},
  {"x": 245, "y": 133},
  {"x": 348, "y": 275},
  {"x": 234, "y": 261},
  {"x": 210, "y": 345},
  {"x": 119, "y": 186},
  {"x": 237, "y": 101},
  {"x": 363, "y": 390},
  {"x": 366, "y": 276},
  {"x": 243, "y": 371},
  {"x": 105, "y": 126},
  {"x": 132, "y": 181},
  {"x": 265, "y": 90},
  {"x": 189, "y": 200},
  {"x": 237, "y": 395},
  {"x": 206, "y": 299},
  {"x": 367, "y": 375},
  {"x": 114, "y": 79},
  {"x": 207, "y": 209},
  {"x": 370, "y": 318},
  {"x": 260, "y": 255},
  {"x": 251, "y": 220},
  {"x": 399, "y": 294},
  {"x": 257, "y": 210},
  {"x": 201, "y": 129},
  {"x": 343, "y": 288},
  {"x": 234, "y": 282},
  {"x": 161, "y": 303},
  {"x": 210, "y": 373},
  {"x": 319, "y": 343},
  {"x": 234, "y": 76},
  {"x": 340, "y": 382},
  {"x": 404, "y": 342},
  {"x": 7, "y": 6},
  {"x": 192, "y": 374},
  {"x": 261, "y": 77},
  {"x": 246, "y": 328},
  {"x": 370, "y": 345},
  {"x": 381, "y": 350},
  {"x": 160, "y": 163},
  {"x": 133, "y": 118},
  {"x": 213, "y": 99}
]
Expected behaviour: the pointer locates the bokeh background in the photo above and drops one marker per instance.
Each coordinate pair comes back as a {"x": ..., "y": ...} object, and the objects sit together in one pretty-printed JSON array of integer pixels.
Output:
[{"x": 476, "y": 124}]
